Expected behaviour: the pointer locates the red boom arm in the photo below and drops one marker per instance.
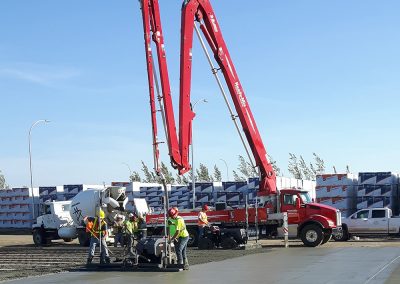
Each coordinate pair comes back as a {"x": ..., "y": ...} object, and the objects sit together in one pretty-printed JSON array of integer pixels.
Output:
[{"x": 202, "y": 12}]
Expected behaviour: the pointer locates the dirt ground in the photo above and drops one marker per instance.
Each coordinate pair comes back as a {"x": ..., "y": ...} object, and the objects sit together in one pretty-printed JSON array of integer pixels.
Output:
[{"x": 19, "y": 258}]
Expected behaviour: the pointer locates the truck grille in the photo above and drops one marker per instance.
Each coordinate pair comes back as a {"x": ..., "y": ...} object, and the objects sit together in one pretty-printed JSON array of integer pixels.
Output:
[{"x": 338, "y": 218}]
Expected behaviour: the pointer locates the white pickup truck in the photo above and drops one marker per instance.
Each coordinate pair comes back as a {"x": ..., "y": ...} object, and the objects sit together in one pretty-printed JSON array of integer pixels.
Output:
[{"x": 369, "y": 222}]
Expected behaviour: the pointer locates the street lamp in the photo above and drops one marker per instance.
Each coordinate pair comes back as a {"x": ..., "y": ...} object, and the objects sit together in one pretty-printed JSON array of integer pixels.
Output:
[
  {"x": 193, "y": 181},
  {"x": 130, "y": 171},
  {"x": 30, "y": 162},
  {"x": 227, "y": 171}
]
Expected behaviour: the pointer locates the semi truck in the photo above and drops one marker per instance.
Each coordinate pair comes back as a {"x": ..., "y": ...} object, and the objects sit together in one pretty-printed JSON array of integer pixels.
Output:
[
  {"x": 313, "y": 223},
  {"x": 64, "y": 219}
]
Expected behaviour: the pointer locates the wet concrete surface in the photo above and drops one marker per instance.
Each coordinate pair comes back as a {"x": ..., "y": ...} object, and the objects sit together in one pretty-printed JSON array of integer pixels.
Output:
[{"x": 277, "y": 265}]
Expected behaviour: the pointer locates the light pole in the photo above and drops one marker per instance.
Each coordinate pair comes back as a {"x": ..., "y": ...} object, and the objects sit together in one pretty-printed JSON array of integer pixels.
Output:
[
  {"x": 193, "y": 181},
  {"x": 227, "y": 171},
  {"x": 130, "y": 171},
  {"x": 30, "y": 163}
]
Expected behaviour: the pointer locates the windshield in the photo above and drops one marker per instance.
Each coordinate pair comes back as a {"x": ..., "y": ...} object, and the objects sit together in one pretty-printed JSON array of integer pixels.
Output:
[{"x": 305, "y": 197}]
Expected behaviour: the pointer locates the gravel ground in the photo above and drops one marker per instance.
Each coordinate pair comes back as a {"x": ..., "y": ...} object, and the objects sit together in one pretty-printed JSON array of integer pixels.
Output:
[{"x": 19, "y": 258}]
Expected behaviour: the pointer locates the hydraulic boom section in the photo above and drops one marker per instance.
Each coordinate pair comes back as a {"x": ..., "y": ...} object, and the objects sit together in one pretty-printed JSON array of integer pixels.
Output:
[{"x": 202, "y": 12}]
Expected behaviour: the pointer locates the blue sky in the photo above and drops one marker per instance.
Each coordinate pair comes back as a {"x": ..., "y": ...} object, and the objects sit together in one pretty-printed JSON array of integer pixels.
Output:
[{"x": 320, "y": 76}]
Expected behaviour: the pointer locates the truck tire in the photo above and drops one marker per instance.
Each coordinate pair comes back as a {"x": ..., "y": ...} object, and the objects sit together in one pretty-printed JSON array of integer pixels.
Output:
[
  {"x": 229, "y": 243},
  {"x": 312, "y": 235},
  {"x": 327, "y": 238},
  {"x": 342, "y": 236},
  {"x": 193, "y": 237},
  {"x": 83, "y": 238},
  {"x": 38, "y": 237}
]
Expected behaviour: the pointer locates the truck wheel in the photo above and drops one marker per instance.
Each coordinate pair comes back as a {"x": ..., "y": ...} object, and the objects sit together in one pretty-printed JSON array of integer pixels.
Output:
[
  {"x": 229, "y": 243},
  {"x": 205, "y": 243},
  {"x": 327, "y": 238},
  {"x": 83, "y": 238},
  {"x": 38, "y": 237},
  {"x": 342, "y": 235},
  {"x": 312, "y": 235},
  {"x": 193, "y": 237}
]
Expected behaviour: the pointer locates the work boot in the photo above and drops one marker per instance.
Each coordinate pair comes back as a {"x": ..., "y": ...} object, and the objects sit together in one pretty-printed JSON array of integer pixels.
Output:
[
  {"x": 186, "y": 265},
  {"x": 89, "y": 260}
]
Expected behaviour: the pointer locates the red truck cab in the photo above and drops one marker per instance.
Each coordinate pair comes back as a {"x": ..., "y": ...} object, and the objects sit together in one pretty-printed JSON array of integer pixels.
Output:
[{"x": 314, "y": 223}]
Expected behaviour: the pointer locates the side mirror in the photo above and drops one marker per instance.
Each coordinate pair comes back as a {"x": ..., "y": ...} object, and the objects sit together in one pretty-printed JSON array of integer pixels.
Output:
[{"x": 298, "y": 203}]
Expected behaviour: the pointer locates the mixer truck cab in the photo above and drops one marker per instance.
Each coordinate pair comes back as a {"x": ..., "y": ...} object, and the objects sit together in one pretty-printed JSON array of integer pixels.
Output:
[
  {"x": 314, "y": 223},
  {"x": 54, "y": 216}
]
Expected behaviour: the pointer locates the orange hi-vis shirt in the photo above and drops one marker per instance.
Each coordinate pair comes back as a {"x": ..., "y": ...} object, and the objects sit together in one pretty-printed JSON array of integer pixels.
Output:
[{"x": 202, "y": 219}]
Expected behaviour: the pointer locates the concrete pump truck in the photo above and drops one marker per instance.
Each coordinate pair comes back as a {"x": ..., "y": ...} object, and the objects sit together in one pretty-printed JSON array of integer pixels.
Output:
[{"x": 313, "y": 223}]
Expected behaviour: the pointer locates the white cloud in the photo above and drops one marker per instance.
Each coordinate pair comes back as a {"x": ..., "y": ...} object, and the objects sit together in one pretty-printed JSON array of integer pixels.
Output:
[{"x": 41, "y": 74}]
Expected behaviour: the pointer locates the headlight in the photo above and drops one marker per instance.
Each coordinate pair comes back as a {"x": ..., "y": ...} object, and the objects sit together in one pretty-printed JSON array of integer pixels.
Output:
[{"x": 331, "y": 223}]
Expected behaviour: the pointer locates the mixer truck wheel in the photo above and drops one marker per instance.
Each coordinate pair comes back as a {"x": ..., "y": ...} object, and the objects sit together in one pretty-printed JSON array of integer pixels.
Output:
[
  {"x": 312, "y": 235},
  {"x": 38, "y": 237}
]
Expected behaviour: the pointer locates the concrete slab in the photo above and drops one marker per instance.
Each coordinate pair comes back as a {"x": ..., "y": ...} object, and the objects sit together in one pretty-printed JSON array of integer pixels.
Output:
[{"x": 292, "y": 265}]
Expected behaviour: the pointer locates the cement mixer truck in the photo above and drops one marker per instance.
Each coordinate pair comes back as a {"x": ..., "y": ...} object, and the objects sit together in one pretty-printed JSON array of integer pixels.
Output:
[{"x": 64, "y": 219}]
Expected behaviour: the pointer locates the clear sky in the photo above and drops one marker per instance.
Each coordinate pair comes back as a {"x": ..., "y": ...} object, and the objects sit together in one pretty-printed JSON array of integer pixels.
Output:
[{"x": 320, "y": 76}]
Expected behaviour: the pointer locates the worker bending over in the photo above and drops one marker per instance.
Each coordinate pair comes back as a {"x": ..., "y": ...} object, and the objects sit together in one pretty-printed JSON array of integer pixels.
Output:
[
  {"x": 180, "y": 237},
  {"x": 97, "y": 228},
  {"x": 131, "y": 230},
  {"x": 202, "y": 220}
]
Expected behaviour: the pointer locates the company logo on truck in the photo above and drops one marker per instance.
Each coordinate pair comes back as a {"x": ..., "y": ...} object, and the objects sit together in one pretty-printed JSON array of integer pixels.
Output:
[{"x": 240, "y": 94}]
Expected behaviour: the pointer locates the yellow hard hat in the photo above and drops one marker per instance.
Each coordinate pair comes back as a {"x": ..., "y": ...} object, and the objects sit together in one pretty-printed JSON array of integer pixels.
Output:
[{"x": 101, "y": 214}]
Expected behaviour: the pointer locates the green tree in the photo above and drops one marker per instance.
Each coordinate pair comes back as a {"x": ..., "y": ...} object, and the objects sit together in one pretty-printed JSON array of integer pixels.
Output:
[
  {"x": 217, "y": 174},
  {"x": 293, "y": 167},
  {"x": 305, "y": 170},
  {"x": 135, "y": 176},
  {"x": 245, "y": 169},
  {"x": 274, "y": 165},
  {"x": 169, "y": 178},
  {"x": 2, "y": 181},
  {"x": 149, "y": 177},
  {"x": 203, "y": 174},
  {"x": 319, "y": 167},
  {"x": 236, "y": 177}
]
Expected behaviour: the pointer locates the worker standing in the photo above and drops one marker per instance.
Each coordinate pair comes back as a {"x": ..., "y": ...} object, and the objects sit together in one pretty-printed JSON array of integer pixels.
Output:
[
  {"x": 131, "y": 229},
  {"x": 180, "y": 236},
  {"x": 202, "y": 221},
  {"x": 118, "y": 231},
  {"x": 142, "y": 227},
  {"x": 97, "y": 228}
]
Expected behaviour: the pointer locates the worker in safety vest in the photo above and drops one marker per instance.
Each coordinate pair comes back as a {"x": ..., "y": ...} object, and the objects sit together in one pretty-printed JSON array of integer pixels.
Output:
[
  {"x": 142, "y": 227},
  {"x": 202, "y": 221},
  {"x": 97, "y": 228},
  {"x": 179, "y": 235},
  {"x": 131, "y": 230},
  {"x": 118, "y": 227}
]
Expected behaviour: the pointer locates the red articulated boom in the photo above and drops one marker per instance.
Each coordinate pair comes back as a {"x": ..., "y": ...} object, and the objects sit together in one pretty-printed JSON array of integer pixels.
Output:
[{"x": 201, "y": 12}]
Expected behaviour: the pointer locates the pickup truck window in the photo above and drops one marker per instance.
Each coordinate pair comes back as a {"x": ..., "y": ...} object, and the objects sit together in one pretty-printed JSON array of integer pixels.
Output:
[
  {"x": 362, "y": 214},
  {"x": 378, "y": 213}
]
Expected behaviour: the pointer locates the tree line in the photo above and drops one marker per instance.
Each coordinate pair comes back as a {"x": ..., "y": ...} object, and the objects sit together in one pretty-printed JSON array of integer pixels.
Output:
[{"x": 297, "y": 167}]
